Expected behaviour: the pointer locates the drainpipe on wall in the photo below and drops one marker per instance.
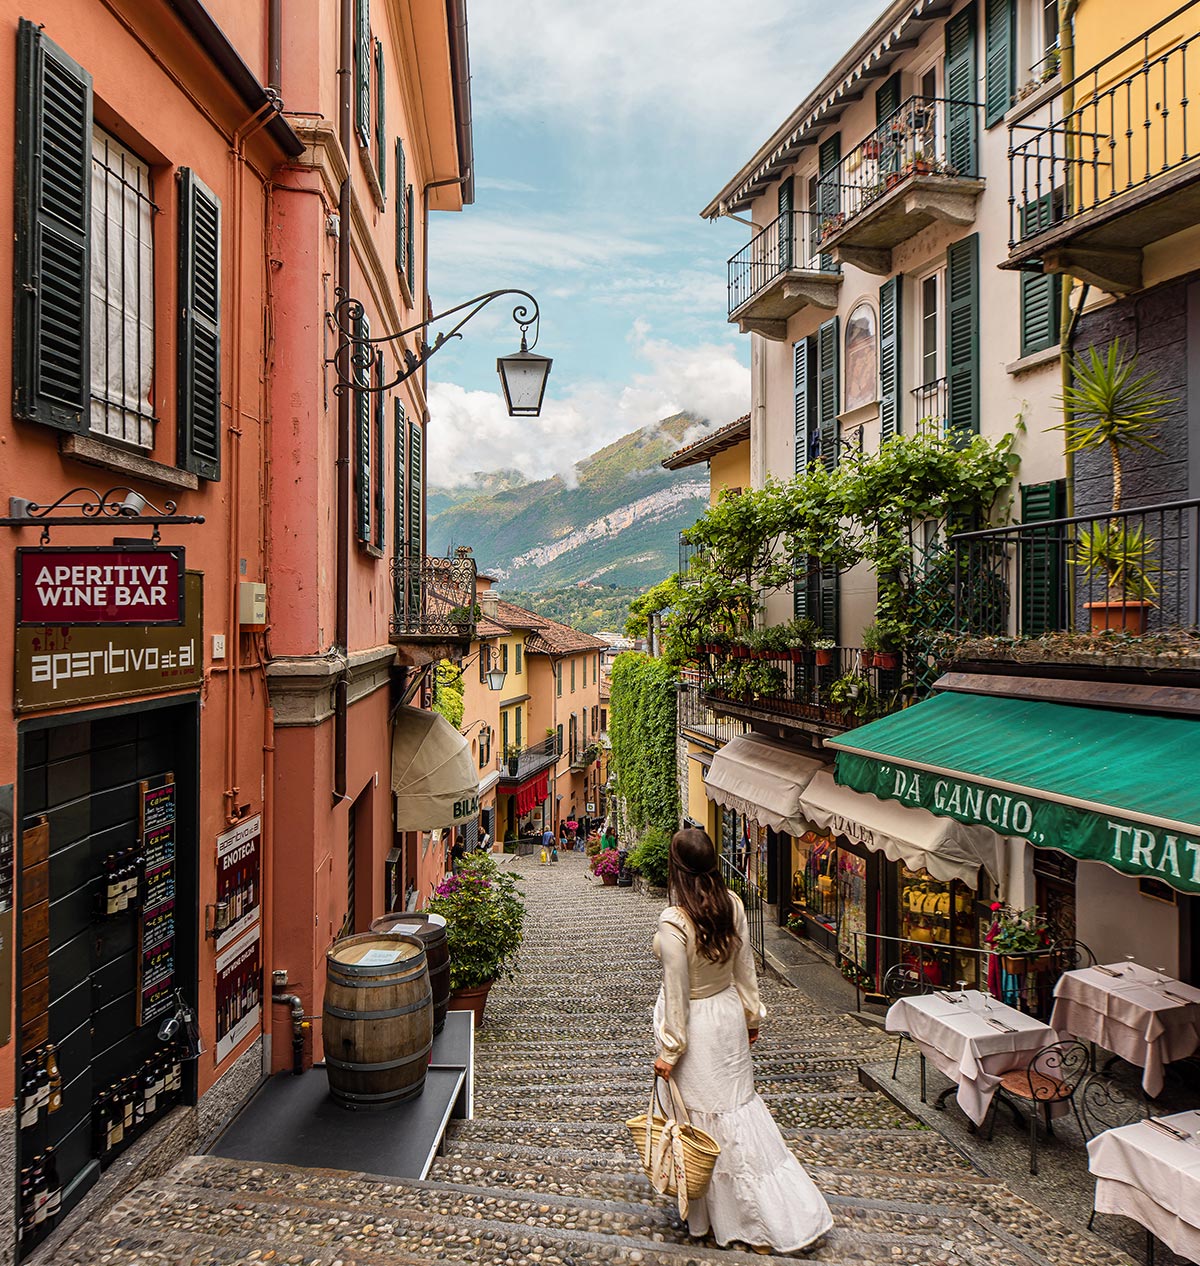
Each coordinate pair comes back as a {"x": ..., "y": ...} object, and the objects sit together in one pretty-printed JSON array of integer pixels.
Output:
[
  {"x": 274, "y": 44},
  {"x": 1068, "y": 317},
  {"x": 345, "y": 78}
]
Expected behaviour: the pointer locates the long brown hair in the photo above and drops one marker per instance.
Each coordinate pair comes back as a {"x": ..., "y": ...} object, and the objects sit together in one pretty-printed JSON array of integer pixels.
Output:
[{"x": 697, "y": 888}]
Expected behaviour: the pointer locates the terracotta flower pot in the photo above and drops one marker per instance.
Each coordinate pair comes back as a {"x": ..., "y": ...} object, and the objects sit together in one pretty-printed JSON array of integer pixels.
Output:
[
  {"x": 1020, "y": 964},
  {"x": 824, "y": 657},
  {"x": 1122, "y": 617},
  {"x": 887, "y": 659},
  {"x": 797, "y": 656},
  {"x": 473, "y": 999},
  {"x": 609, "y": 880}
]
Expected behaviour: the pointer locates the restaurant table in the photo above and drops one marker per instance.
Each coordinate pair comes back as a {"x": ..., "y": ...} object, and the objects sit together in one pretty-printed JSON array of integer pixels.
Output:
[
  {"x": 1146, "y": 1019},
  {"x": 1145, "y": 1174},
  {"x": 962, "y": 1042}
]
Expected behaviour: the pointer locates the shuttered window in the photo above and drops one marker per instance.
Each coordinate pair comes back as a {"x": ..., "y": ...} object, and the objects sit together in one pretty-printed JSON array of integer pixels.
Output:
[
  {"x": 961, "y": 86},
  {"x": 380, "y": 122},
  {"x": 362, "y": 443},
  {"x": 887, "y": 99},
  {"x": 415, "y": 484},
  {"x": 804, "y": 371},
  {"x": 890, "y": 358},
  {"x": 399, "y": 501},
  {"x": 1041, "y": 293},
  {"x": 829, "y": 194},
  {"x": 362, "y": 71},
  {"x": 1043, "y": 591},
  {"x": 379, "y": 462},
  {"x": 409, "y": 255},
  {"x": 1000, "y": 58},
  {"x": 828, "y": 394},
  {"x": 785, "y": 222},
  {"x": 962, "y": 335},
  {"x": 53, "y": 223},
  {"x": 199, "y": 373},
  {"x": 401, "y": 212}
]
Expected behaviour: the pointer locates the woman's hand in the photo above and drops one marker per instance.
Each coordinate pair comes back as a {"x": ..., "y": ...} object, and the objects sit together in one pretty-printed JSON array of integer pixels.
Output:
[
  {"x": 752, "y": 1034},
  {"x": 662, "y": 1069}
]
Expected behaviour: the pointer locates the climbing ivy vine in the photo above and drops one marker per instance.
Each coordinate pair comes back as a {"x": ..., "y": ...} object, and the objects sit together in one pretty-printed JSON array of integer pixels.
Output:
[{"x": 642, "y": 725}]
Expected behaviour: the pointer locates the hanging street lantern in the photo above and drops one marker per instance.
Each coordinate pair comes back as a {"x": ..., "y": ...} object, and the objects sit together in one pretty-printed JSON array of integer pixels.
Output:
[{"x": 523, "y": 376}]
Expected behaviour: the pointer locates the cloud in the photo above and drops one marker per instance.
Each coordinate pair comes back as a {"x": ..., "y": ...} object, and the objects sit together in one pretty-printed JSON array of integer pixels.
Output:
[
  {"x": 470, "y": 431},
  {"x": 500, "y": 184}
]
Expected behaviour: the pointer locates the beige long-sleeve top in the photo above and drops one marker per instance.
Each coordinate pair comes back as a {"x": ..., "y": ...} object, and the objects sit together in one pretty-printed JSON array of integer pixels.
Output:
[{"x": 687, "y": 974}]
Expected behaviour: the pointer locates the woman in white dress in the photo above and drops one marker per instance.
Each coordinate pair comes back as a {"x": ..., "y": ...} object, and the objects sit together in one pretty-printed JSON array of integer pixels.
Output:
[{"x": 705, "y": 1020}]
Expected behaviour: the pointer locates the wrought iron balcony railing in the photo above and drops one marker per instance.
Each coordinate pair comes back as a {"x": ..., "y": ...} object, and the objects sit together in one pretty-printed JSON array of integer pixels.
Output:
[
  {"x": 926, "y": 136},
  {"x": 434, "y": 597},
  {"x": 1135, "y": 121},
  {"x": 520, "y": 763},
  {"x": 790, "y": 241},
  {"x": 696, "y": 716},
  {"x": 1134, "y": 571},
  {"x": 687, "y": 552},
  {"x": 931, "y": 403}
]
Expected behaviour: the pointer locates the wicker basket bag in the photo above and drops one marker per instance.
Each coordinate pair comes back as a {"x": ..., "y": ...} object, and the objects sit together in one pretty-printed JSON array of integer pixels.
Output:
[{"x": 677, "y": 1156}]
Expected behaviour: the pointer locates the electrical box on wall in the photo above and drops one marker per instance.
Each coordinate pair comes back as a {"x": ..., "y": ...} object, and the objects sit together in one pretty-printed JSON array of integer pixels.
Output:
[{"x": 252, "y": 603}]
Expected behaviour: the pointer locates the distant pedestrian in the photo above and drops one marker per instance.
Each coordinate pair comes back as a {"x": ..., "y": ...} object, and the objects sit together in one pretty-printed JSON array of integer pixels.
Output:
[
  {"x": 547, "y": 841},
  {"x": 458, "y": 850},
  {"x": 562, "y": 834}
]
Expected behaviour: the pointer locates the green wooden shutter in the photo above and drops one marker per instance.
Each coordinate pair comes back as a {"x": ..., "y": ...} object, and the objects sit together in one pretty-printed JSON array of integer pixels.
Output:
[
  {"x": 785, "y": 222},
  {"x": 379, "y": 475},
  {"x": 399, "y": 498},
  {"x": 1000, "y": 58},
  {"x": 198, "y": 406},
  {"x": 362, "y": 71},
  {"x": 890, "y": 360},
  {"x": 415, "y": 484},
  {"x": 1041, "y": 293},
  {"x": 961, "y": 139},
  {"x": 401, "y": 210},
  {"x": 409, "y": 268},
  {"x": 962, "y": 335},
  {"x": 51, "y": 364},
  {"x": 1043, "y": 593},
  {"x": 804, "y": 371},
  {"x": 828, "y": 392},
  {"x": 380, "y": 122},
  {"x": 829, "y": 193},
  {"x": 362, "y": 445},
  {"x": 887, "y": 99}
]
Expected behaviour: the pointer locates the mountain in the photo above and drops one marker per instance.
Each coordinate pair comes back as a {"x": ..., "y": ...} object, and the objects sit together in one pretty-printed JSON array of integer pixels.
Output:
[{"x": 619, "y": 524}]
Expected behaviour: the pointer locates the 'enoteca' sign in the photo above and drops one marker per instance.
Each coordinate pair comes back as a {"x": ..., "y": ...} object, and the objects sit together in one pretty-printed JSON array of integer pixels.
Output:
[{"x": 106, "y": 585}]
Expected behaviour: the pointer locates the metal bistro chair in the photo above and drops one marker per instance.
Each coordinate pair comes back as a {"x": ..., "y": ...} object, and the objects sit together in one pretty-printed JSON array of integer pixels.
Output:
[
  {"x": 905, "y": 981},
  {"x": 1072, "y": 955},
  {"x": 1052, "y": 1077},
  {"x": 1105, "y": 1106}
]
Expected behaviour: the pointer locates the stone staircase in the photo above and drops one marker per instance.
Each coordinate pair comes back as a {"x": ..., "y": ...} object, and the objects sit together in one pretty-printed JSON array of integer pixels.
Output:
[{"x": 546, "y": 1172}]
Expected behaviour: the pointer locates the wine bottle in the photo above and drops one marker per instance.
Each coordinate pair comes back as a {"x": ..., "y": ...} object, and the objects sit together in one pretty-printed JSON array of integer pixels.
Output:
[
  {"x": 43, "y": 1086},
  {"x": 128, "y": 1111},
  {"x": 116, "y": 1126},
  {"x": 53, "y": 1185},
  {"x": 110, "y": 884},
  {"x": 40, "y": 1197},
  {"x": 25, "y": 1225},
  {"x": 55, "y": 1077}
]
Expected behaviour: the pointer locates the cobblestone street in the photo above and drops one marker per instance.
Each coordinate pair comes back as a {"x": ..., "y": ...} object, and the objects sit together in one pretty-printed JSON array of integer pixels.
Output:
[{"x": 545, "y": 1173}]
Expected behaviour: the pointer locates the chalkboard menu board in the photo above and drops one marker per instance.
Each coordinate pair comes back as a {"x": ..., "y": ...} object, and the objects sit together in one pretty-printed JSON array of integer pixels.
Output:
[{"x": 156, "y": 927}]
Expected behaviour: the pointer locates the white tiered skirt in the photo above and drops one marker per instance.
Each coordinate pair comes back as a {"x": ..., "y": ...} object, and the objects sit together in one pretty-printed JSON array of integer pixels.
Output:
[{"x": 760, "y": 1193}]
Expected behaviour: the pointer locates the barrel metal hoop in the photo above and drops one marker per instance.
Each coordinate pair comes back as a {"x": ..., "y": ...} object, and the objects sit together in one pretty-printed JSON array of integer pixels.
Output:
[
  {"x": 391, "y": 1063},
  {"x": 342, "y": 1014},
  {"x": 396, "y": 1096},
  {"x": 373, "y": 984}
]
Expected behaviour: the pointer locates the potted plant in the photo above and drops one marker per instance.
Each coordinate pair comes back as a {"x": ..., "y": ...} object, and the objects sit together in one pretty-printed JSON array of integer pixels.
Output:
[
  {"x": 831, "y": 223},
  {"x": 512, "y": 758},
  {"x": 799, "y": 636},
  {"x": 485, "y": 919},
  {"x": 607, "y": 865},
  {"x": 880, "y": 645},
  {"x": 823, "y": 649},
  {"x": 1108, "y": 405},
  {"x": 1020, "y": 937},
  {"x": 870, "y": 147}
]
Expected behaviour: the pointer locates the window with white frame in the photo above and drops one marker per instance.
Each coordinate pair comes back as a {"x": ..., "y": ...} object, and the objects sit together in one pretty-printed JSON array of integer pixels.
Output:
[
  {"x": 122, "y": 294},
  {"x": 929, "y": 396}
]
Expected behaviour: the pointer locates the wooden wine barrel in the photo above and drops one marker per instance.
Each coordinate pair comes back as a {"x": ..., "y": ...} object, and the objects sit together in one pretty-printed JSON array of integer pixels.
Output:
[
  {"x": 378, "y": 1020},
  {"x": 430, "y": 930}
]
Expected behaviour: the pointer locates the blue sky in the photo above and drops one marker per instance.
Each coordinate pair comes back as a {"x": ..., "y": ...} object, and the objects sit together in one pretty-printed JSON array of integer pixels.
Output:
[{"x": 601, "y": 129}]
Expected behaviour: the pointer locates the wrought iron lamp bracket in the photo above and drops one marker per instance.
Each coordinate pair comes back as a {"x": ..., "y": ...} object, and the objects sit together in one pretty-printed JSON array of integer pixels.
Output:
[
  {"x": 118, "y": 505},
  {"x": 356, "y": 355}
]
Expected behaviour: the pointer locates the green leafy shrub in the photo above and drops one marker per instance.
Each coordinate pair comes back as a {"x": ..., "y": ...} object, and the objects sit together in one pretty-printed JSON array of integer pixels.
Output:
[
  {"x": 650, "y": 856},
  {"x": 642, "y": 726},
  {"x": 485, "y": 920}
]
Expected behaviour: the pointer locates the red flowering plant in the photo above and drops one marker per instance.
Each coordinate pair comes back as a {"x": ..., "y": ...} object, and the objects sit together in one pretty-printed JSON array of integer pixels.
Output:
[
  {"x": 485, "y": 919},
  {"x": 1017, "y": 931},
  {"x": 606, "y": 863}
]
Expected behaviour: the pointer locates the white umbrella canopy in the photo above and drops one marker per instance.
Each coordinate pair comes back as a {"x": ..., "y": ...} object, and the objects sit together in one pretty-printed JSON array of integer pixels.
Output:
[{"x": 433, "y": 775}]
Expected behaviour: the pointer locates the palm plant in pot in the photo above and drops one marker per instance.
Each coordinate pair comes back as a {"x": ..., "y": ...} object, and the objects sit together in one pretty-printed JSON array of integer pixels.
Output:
[
  {"x": 1108, "y": 405},
  {"x": 485, "y": 920}
]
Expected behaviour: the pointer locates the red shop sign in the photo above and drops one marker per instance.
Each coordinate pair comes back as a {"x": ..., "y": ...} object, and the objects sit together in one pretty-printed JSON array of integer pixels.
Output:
[{"x": 82, "y": 585}]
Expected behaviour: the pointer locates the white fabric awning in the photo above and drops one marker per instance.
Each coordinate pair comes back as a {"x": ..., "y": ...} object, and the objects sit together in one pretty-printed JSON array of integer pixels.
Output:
[
  {"x": 434, "y": 778},
  {"x": 762, "y": 779},
  {"x": 921, "y": 840}
]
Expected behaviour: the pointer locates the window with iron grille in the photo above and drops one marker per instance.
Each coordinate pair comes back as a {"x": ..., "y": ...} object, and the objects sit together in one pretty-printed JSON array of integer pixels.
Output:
[{"x": 122, "y": 294}]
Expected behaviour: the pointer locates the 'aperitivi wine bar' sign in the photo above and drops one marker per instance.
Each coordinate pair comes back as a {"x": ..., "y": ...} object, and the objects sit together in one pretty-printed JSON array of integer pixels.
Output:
[{"x": 100, "y": 586}]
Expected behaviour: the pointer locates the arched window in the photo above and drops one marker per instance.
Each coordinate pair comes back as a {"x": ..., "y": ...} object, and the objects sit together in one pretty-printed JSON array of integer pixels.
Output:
[{"x": 862, "y": 358}]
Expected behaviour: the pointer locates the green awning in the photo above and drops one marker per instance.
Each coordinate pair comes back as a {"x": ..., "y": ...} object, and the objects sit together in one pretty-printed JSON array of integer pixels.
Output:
[{"x": 1121, "y": 788}]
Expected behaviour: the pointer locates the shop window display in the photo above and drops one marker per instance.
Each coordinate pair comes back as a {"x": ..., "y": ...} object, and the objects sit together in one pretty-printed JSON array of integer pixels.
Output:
[
  {"x": 829, "y": 890},
  {"x": 940, "y": 914}
]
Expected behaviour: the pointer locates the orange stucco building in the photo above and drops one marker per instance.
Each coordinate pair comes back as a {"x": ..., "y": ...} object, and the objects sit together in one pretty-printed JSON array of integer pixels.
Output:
[{"x": 203, "y": 710}]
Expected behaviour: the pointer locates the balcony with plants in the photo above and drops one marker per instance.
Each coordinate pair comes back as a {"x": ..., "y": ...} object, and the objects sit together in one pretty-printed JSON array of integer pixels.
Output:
[
  {"x": 434, "y": 611},
  {"x": 873, "y": 511},
  {"x": 522, "y": 763},
  {"x": 779, "y": 271},
  {"x": 1114, "y": 168},
  {"x": 918, "y": 167},
  {"x": 1104, "y": 588}
]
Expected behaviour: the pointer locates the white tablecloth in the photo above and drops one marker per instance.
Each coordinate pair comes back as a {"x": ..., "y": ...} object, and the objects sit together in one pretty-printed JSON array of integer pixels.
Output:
[
  {"x": 1130, "y": 1015},
  {"x": 962, "y": 1044},
  {"x": 1146, "y": 1175}
]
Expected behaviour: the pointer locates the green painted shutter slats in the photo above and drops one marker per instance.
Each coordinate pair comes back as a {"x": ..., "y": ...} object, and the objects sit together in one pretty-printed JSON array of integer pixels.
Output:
[
  {"x": 887, "y": 99},
  {"x": 409, "y": 267},
  {"x": 961, "y": 87},
  {"x": 400, "y": 457},
  {"x": 804, "y": 369},
  {"x": 785, "y": 222},
  {"x": 379, "y": 475},
  {"x": 415, "y": 542},
  {"x": 51, "y": 363},
  {"x": 1041, "y": 293},
  {"x": 962, "y": 336},
  {"x": 828, "y": 391},
  {"x": 829, "y": 193},
  {"x": 362, "y": 445},
  {"x": 1000, "y": 58},
  {"x": 890, "y": 359},
  {"x": 401, "y": 207},
  {"x": 380, "y": 122},
  {"x": 1042, "y": 590},
  {"x": 362, "y": 71},
  {"x": 198, "y": 406}
]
